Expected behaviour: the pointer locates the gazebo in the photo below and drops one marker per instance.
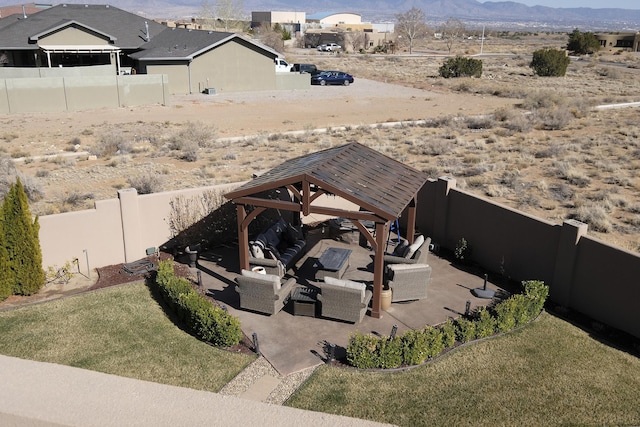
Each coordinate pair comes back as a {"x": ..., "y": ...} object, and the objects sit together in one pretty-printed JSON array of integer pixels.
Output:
[{"x": 383, "y": 188}]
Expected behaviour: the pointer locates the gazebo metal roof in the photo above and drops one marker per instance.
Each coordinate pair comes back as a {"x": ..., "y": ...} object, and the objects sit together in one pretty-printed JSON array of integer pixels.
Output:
[{"x": 381, "y": 186}]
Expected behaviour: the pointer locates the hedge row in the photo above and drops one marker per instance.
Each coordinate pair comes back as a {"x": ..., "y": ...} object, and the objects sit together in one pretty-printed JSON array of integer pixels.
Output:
[
  {"x": 414, "y": 347},
  {"x": 206, "y": 321}
]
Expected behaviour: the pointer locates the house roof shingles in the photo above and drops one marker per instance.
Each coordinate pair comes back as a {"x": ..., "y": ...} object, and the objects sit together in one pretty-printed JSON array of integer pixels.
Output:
[
  {"x": 185, "y": 44},
  {"x": 128, "y": 29},
  {"x": 352, "y": 171}
]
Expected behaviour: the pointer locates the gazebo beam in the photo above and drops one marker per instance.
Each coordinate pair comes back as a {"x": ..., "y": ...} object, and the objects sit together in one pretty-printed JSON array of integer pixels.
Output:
[
  {"x": 411, "y": 220},
  {"x": 269, "y": 203}
]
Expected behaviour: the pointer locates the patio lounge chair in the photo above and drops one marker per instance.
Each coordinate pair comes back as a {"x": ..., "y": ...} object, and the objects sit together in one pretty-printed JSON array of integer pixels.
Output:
[
  {"x": 263, "y": 292},
  {"x": 408, "y": 281},
  {"x": 410, "y": 254},
  {"x": 343, "y": 299},
  {"x": 278, "y": 248}
]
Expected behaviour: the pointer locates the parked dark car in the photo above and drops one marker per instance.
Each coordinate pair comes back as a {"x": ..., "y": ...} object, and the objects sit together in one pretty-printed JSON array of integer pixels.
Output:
[
  {"x": 305, "y": 68},
  {"x": 332, "y": 78}
]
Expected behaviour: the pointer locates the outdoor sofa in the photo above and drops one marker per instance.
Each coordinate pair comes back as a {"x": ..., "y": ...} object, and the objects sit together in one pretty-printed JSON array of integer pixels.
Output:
[
  {"x": 264, "y": 293},
  {"x": 278, "y": 248}
]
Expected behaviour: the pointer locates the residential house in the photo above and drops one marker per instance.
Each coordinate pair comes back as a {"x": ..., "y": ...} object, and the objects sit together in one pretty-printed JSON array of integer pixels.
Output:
[
  {"x": 197, "y": 61},
  {"x": 69, "y": 35},
  {"x": 629, "y": 41}
]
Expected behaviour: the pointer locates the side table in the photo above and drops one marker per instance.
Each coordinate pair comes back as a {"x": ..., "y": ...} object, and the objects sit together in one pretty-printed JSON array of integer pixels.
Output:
[{"x": 304, "y": 300}]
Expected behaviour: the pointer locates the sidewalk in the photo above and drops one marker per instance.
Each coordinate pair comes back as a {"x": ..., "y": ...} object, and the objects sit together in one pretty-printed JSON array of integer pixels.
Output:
[{"x": 44, "y": 394}]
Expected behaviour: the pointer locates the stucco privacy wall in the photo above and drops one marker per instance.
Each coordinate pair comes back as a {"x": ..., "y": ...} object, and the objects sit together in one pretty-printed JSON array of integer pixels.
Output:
[
  {"x": 71, "y": 93},
  {"x": 583, "y": 273},
  {"x": 115, "y": 231}
]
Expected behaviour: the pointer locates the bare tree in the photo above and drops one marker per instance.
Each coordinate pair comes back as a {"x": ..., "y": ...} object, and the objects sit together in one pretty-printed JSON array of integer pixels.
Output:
[
  {"x": 229, "y": 13},
  {"x": 270, "y": 37},
  {"x": 451, "y": 31},
  {"x": 358, "y": 40},
  {"x": 206, "y": 16},
  {"x": 411, "y": 26}
]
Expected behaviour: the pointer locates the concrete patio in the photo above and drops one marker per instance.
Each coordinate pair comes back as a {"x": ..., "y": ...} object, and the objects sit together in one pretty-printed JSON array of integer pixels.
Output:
[{"x": 293, "y": 343}]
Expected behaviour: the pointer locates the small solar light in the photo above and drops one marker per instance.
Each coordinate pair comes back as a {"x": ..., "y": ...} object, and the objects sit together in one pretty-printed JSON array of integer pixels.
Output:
[
  {"x": 256, "y": 346},
  {"x": 467, "y": 308},
  {"x": 394, "y": 329}
]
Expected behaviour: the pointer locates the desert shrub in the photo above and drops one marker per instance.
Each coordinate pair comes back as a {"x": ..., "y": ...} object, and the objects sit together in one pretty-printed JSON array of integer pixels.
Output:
[
  {"x": 32, "y": 187},
  {"x": 550, "y": 62},
  {"x": 198, "y": 133},
  {"x": 76, "y": 198},
  {"x": 553, "y": 118},
  {"x": 145, "y": 184},
  {"x": 480, "y": 122},
  {"x": 596, "y": 216},
  {"x": 110, "y": 144},
  {"x": 542, "y": 99},
  {"x": 206, "y": 321},
  {"x": 461, "y": 67}
]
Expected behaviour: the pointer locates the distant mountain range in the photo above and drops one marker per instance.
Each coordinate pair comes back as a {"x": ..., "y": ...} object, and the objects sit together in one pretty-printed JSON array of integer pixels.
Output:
[{"x": 498, "y": 12}]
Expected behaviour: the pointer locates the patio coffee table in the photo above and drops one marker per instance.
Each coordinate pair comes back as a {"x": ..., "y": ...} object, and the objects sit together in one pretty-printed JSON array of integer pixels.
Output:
[
  {"x": 304, "y": 301},
  {"x": 333, "y": 263}
]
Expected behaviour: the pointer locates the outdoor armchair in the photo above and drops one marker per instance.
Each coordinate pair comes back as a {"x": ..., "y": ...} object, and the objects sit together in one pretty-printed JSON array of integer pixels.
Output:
[
  {"x": 344, "y": 299},
  {"x": 408, "y": 281},
  {"x": 414, "y": 254},
  {"x": 264, "y": 293}
]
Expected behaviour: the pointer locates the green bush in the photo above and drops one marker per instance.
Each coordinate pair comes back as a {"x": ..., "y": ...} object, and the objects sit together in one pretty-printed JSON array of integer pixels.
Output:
[
  {"x": 485, "y": 323},
  {"x": 462, "y": 251},
  {"x": 361, "y": 350},
  {"x": 388, "y": 353},
  {"x": 448, "y": 333},
  {"x": 465, "y": 330},
  {"x": 505, "y": 315},
  {"x": 461, "y": 67},
  {"x": 550, "y": 62},
  {"x": 206, "y": 321},
  {"x": 415, "y": 346}
]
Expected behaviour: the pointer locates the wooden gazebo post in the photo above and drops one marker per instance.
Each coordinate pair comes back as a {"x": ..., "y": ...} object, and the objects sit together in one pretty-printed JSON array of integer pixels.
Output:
[{"x": 378, "y": 269}]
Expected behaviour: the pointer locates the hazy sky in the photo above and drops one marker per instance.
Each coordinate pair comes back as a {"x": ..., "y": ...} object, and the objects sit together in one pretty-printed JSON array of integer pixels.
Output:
[{"x": 595, "y": 4}]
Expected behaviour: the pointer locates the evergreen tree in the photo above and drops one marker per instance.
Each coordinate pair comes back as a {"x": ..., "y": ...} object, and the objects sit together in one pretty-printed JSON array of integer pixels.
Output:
[
  {"x": 6, "y": 285},
  {"x": 21, "y": 242},
  {"x": 582, "y": 43}
]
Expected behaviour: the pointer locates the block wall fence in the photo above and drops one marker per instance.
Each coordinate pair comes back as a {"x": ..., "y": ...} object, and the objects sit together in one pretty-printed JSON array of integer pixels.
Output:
[
  {"x": 36, "y": 90},
  {"x": 583, "y": 273}
]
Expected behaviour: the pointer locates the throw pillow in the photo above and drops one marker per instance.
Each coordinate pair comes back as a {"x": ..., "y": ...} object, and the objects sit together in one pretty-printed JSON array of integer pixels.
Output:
[
  {"x": 414, "y": 246},
  {"x": 256, "y": 250},
  {"x": 401, "y": 248},
  {"x": 275, "y": 280}
]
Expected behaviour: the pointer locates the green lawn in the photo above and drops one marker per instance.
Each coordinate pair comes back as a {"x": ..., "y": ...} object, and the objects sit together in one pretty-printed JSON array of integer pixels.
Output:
[
  {"x": 548, "y": 373},
  {"x": 121, "y": 331}
]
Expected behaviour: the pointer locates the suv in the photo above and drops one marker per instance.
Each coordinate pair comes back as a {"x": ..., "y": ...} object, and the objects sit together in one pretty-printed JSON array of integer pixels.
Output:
[
  {"x": 305, "y": 69},
  {"x": 329, "y": 47}
]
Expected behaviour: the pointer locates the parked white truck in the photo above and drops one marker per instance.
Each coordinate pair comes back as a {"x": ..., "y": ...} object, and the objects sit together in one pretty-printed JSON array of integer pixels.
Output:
[{"x": 282, "y": 66}]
